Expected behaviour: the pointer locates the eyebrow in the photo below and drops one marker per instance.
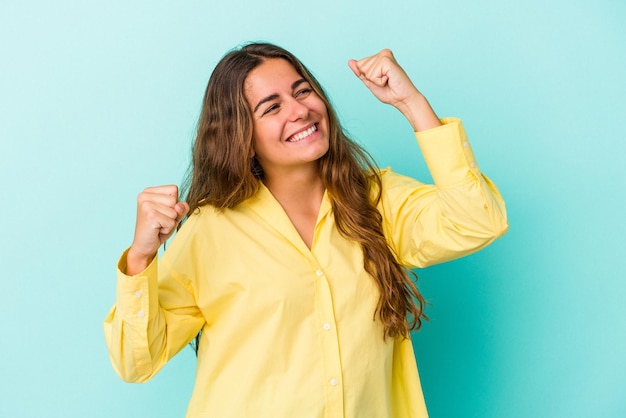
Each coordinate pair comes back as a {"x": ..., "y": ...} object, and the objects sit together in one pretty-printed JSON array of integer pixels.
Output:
[{"x": 275, "y": 96}]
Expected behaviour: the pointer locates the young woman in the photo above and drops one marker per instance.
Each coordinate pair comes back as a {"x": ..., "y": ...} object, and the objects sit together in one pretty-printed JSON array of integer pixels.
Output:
[{"x": 293, "y": 258}]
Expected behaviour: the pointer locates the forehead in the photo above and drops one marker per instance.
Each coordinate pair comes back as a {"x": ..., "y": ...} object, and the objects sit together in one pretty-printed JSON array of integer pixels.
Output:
[{"x": 272, "y": 76}]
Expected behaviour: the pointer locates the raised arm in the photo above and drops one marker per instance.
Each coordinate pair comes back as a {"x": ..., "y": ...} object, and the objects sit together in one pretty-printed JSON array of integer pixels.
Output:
[
  {"x": 154, "y": 315},
  {"x": 463, "y": 210}
]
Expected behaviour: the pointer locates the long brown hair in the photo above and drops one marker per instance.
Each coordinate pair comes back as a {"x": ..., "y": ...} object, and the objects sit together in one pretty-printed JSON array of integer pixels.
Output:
[{"x": 223, "y": 174}]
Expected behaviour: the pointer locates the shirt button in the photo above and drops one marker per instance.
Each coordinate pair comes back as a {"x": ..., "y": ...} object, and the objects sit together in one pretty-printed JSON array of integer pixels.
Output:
[
  {"x": 327, "y": 327},
  {"x": 473, "y": 164},
  {"x": 333, "y": 382},
  {"x": 141, "y": 314},
  {"x": 465, "y": 143},
  {"x": 319, "y": 272},
  {"x": 138, "y": 293}
]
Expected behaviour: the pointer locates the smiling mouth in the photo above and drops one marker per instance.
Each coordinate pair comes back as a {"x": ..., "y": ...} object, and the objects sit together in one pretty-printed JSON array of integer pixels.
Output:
[{"x": 303, "y": 135}]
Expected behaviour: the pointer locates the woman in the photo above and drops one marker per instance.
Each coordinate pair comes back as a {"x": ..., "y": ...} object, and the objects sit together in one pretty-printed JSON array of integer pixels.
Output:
[{"x": 293, "y": 258}]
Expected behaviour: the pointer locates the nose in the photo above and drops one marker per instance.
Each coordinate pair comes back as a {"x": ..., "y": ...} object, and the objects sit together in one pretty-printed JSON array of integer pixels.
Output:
[{"x": 298, "y": 110}]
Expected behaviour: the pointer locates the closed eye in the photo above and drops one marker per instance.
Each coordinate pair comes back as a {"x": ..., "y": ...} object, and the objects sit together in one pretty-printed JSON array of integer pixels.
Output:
[
  {"x": 272, "y": 108},
  {"x": 303, "y": 92}
]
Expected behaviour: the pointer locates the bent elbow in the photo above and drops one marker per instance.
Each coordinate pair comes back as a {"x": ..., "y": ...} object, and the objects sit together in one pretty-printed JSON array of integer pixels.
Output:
[
  {"x": 499, "y": 228},
  {"x": 132, "y": 374},
  {"x": 127, "y": 367}
]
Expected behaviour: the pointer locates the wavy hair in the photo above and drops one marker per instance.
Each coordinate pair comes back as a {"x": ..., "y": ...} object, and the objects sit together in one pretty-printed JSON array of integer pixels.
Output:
[{"x": 223, "y": 173}]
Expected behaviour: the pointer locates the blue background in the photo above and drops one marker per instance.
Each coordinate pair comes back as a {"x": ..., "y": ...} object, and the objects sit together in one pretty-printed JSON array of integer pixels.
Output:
[{"x": 100, "y": 99}]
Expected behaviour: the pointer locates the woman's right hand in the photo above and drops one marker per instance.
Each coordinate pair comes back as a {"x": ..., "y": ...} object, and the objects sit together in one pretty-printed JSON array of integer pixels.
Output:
[{"x": 158, "y": 214}]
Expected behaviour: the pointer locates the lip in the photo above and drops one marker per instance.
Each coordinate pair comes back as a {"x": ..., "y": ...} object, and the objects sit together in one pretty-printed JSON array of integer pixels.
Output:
[{"x": 316, "y": 124}]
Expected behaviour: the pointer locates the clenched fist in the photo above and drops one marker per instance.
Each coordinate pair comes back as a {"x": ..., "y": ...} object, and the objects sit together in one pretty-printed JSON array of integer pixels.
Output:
[
  {"x": 158, "y": 214},
  {"x": 382, "y": 74}
]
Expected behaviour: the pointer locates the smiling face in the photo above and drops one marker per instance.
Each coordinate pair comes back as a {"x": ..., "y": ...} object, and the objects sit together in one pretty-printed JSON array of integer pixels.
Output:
[{"x": 290, "y": 121}]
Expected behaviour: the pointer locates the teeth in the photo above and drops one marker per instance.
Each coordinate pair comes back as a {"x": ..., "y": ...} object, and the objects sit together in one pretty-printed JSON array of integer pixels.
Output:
[{"x": 300, "y": 136}]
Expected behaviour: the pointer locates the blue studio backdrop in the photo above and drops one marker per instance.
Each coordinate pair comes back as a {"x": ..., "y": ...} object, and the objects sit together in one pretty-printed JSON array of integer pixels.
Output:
[{"x": 100, "y": 99}]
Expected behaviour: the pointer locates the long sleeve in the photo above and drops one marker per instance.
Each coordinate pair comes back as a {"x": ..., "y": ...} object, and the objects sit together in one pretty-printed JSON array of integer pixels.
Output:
[
  {"x": 150, "y": 321},
  {"x": 461, "y": 213}
]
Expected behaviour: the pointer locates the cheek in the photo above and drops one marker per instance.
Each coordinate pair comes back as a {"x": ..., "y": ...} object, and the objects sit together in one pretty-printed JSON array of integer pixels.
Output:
[
  {"x": 323, "y": 111},
  {"x": 258, "y": 144},
  {"x": 267, "y": 130},
  {"x": 258, "y": 130},
  {"x": 261, "y": 137}
]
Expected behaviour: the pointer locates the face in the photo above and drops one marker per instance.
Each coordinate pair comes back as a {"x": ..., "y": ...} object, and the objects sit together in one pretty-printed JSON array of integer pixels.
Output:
[{"x": 290, "y": 130}]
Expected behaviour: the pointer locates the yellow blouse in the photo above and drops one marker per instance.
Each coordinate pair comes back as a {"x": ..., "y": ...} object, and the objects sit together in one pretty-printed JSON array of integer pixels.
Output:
[{"x": 287, "y": 331}]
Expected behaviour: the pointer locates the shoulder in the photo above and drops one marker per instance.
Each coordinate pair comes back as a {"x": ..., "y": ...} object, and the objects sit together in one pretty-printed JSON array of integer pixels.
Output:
[
  {"x": 199, "y": 216},
  {"x": 198, "y": 220},
  {"x": 391, "y": 181},
  {"x": 399, "y": 193}
]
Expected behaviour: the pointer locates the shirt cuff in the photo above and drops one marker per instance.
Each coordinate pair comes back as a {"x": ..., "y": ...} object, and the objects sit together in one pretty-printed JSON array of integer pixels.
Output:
[
  {"x": 132, "y": 298},
  {"x": 448, "y": 153}
]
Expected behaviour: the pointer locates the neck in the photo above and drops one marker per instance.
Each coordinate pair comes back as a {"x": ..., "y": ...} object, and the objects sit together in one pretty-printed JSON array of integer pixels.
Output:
[
  {"x": 300, "y": 194},
  {"x": 299, "y": 187}
]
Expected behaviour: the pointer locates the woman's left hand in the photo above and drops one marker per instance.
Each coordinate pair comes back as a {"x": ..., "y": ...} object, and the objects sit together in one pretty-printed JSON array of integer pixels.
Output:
[{"x": 382, "y": 74}]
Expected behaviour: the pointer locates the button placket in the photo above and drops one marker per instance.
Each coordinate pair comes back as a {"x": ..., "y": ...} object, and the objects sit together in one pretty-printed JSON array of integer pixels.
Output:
[{"x": 330, "y": 343}]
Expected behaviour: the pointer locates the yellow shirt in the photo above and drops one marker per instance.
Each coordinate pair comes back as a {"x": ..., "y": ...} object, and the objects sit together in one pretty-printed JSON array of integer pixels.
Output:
[{"x": 287, "y": 331}]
